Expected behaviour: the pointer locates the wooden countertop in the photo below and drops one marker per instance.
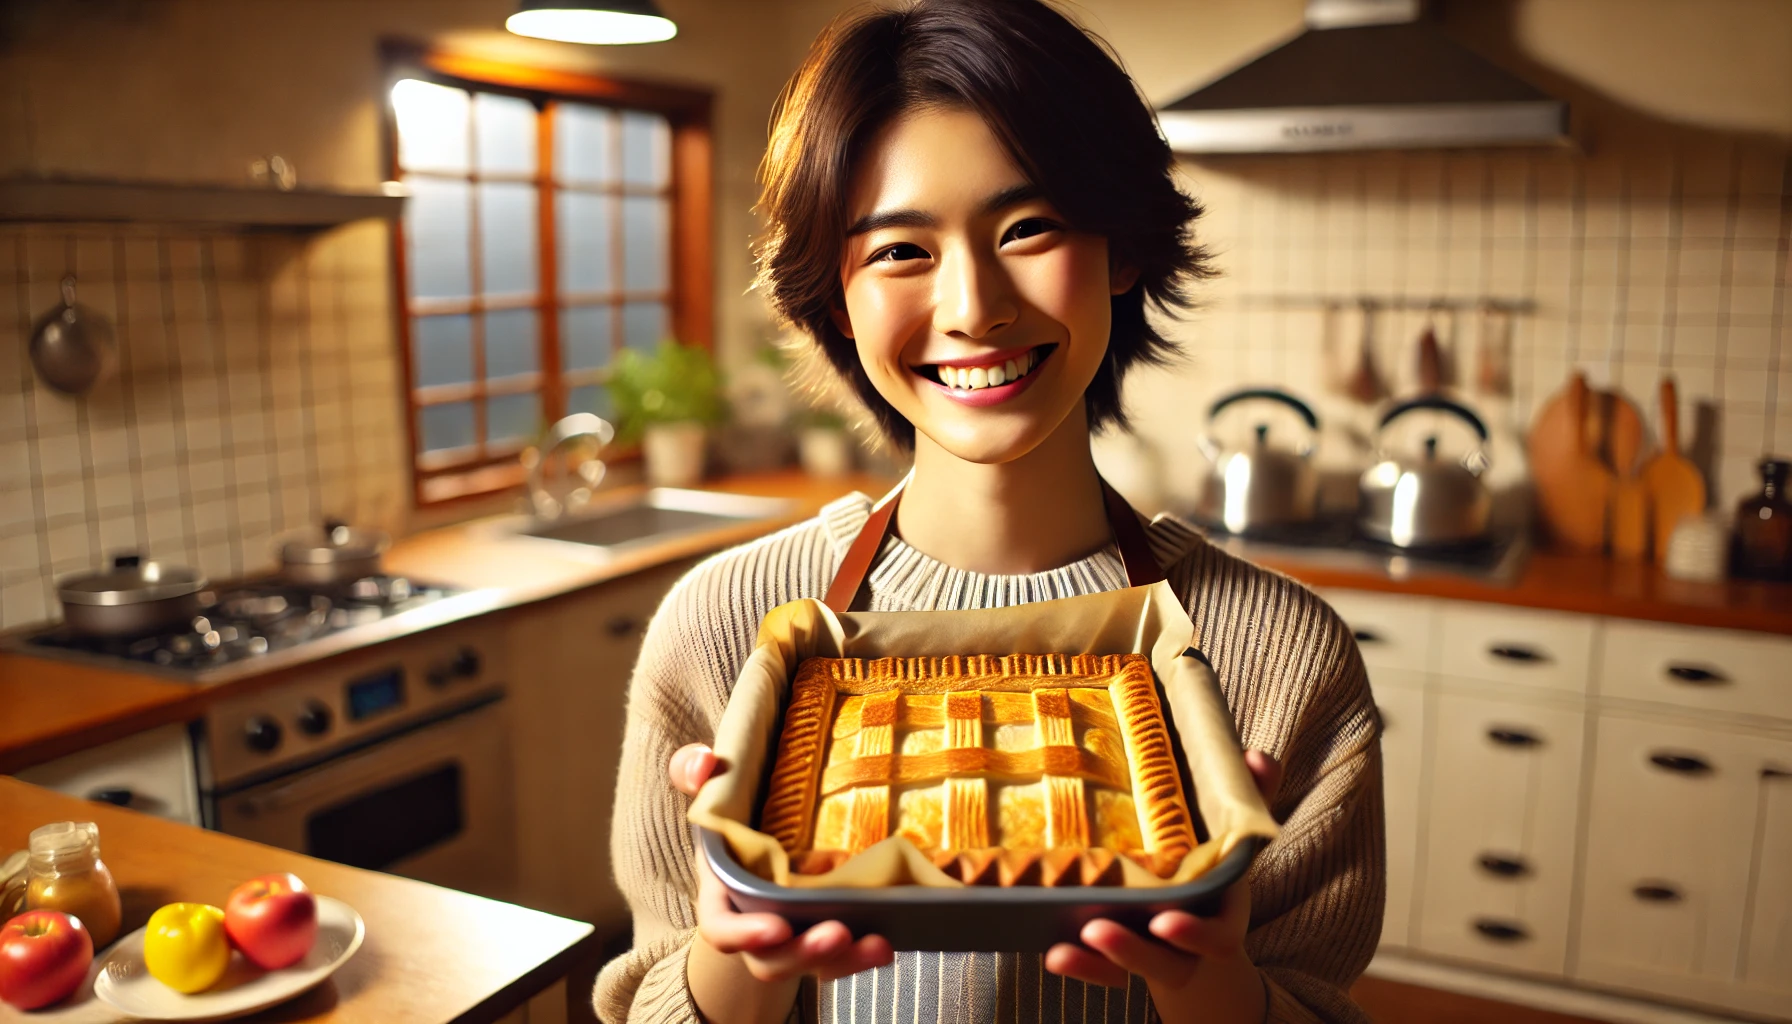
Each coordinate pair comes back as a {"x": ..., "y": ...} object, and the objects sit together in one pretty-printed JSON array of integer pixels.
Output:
[
  {"x": 1588, "y": 584},
  {"x": 55, "y": 707},
  {"x": 432, "y": 955}
]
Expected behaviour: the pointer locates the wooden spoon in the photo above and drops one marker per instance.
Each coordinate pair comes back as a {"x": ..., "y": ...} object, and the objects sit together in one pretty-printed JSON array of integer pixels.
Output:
[
  {"x": 1672, "y": 484},
  {"x": 1573, "y": 486}
]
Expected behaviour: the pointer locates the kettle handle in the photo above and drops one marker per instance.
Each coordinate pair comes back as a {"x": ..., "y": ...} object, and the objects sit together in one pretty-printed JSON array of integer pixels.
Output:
[
  {"x": 1435, "y": 403},
  {"x": 1273, "y": 395}
]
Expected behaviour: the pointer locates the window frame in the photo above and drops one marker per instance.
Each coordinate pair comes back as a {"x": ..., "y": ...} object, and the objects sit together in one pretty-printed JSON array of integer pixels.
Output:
[{"x": 688, "y": 112}]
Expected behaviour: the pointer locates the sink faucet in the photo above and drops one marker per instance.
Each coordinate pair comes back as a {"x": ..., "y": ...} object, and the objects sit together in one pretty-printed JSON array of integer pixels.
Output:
[{"x": 591, "y": 471}]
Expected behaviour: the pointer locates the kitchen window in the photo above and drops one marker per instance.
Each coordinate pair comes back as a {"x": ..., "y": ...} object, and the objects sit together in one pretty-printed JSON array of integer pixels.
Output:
[{"x": 554, "y": 219}]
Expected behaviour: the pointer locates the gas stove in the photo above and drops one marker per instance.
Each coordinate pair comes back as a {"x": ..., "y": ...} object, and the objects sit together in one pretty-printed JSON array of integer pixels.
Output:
[
  {"x": 252, "y": 622},
  {"x": 1335, "y": 543}
]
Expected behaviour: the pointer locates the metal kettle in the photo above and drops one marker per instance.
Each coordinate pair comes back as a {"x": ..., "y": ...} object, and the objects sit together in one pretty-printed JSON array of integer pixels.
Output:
[
  {"x": 1429, "y": 501},
  {"x": 1262, "y": 484}
]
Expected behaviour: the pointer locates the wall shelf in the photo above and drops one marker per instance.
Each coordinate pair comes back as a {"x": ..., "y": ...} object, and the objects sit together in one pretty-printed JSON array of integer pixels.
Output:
[{"x": 136, "y": 202}]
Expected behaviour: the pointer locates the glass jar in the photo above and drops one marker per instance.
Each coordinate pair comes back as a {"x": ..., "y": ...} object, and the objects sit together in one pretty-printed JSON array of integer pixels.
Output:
[
  {"x": 1764, "y": 527},
  {"x": 66, "y": 874}
]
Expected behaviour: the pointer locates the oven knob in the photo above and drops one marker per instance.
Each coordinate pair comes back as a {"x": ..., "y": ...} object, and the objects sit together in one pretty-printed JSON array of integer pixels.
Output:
[
  {"x": 262, "y": 734},
  {"x": 315, "y": 719},
  {"x": 466, "y": 663}
]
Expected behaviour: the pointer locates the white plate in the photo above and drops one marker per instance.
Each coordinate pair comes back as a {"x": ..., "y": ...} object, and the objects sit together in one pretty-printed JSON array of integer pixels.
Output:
[{"x": 125, "y": 984}]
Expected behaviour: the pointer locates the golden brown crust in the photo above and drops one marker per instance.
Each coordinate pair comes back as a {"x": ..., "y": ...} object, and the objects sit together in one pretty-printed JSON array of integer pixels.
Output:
[{"x": 1012, "y": 770}]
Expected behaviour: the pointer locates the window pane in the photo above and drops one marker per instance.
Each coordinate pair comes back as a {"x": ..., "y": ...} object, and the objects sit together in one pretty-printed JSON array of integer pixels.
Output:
[
  {"x": 435, "y": 221},
  {"x": 510, "y": 417},
  {"x": 585, "y": 342},
  {"x": 432, "y": 126},
  {"x": 589, "y": 398},
  {"x": 510, "y": 343},
  {"x": 447, "y": 426},
  {"x": 646, "y": 149},
  {"x": 444, "y": 350},
  {"x": 507, "y": 237},
  {"x": 582, "y": 144},
  {"x": 644, "y": 258},
  {"x": 504, "y": 127},
  {"x": 584, "y": 222},
  {"x": 644, "y": 324}
]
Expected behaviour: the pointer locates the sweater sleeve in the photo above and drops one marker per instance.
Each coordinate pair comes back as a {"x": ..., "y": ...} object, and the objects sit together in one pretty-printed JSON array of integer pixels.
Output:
[
  {"x": 671, "y": 703},
  {"x": 1298, "y": 691}
]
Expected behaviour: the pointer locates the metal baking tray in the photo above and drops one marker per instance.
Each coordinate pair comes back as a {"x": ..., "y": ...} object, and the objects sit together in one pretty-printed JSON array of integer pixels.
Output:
[{"x": 1023, "y": 919}]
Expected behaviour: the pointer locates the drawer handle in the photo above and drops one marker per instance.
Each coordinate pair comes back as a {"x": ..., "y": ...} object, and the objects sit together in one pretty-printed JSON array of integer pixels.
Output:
[
  {"x": 1513, "y": 738},
  {"x": 117, "y": 796},
  {"x": 1682, "y": 763},
  {"x": 1654, "y": 893},
  {"x": 1366, "y": 636},
  {"x": 1518, "y": 653},
  {"x": 1501, "y": 931},
  {"x": 1504, "y": 867},
  {"x": 1697, "y": 676},
  {"x": 622, "y": 625},
  {"x": 1770, "y": 772}
]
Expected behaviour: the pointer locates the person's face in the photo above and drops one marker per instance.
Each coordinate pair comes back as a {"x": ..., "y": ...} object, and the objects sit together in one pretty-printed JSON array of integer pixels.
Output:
[{"x": 976, "y": 312}]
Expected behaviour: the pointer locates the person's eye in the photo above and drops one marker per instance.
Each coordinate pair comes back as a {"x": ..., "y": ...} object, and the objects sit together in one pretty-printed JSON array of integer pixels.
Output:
[
  {"x": 1027, "y": 228},
  {"x": 899, "y": 251}
]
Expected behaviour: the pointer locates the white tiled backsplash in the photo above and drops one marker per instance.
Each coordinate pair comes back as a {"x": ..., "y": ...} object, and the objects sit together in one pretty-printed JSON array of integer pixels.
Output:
[
  {"x": 1633, "y": 261},
  {"x": 257, "y": 391}
]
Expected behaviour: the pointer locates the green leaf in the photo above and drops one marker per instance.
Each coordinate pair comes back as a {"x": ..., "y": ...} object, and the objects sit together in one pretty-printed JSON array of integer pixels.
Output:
[{"x": 675, "y": 383}]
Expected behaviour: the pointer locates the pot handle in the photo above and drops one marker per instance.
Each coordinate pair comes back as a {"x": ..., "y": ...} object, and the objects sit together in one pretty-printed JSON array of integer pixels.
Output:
[
  {"x": 1271, "y": 394},
  {"x": 1435, "y": 403}
]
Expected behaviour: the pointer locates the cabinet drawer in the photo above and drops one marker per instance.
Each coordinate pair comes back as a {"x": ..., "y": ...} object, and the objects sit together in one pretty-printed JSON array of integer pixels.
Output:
[
  {"x": 1673, "y": 837},
  {"x": 1392, "y": 632},
  {"x": 1713, "y": 669},
  {"x": 1499, "y": 844},
  {"x": 1549, "y": 650}
]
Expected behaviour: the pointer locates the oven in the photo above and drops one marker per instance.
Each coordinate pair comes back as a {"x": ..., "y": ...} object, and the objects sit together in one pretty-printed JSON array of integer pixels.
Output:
[{"x": 395, "y": 758}]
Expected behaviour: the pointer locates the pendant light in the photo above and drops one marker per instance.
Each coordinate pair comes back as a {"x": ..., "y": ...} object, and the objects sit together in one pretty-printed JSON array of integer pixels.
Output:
[{"x": 592, "y": 21}]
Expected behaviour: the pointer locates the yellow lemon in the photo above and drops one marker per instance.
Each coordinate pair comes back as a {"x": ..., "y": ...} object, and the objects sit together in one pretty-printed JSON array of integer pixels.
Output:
[{"x": 185, "y": 947}]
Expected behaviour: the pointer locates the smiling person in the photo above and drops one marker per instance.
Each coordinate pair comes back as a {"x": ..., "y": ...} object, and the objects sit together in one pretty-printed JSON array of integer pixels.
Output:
[{"x": 970, "y": 211}]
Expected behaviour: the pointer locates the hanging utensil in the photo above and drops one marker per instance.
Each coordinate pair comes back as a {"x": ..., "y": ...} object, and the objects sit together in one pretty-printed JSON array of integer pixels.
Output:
[
  {"x": 1365, "y": 383},
  {"x": 1493, "y": 366},
  {"x": 72, "y": 346},
  {"x": 1431, "y": 367}
]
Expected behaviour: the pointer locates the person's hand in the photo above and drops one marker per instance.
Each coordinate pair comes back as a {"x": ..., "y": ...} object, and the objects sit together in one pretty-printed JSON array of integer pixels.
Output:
[
  {"x": 765, "y": 942},
  {"x": 1199, "y": 970}
]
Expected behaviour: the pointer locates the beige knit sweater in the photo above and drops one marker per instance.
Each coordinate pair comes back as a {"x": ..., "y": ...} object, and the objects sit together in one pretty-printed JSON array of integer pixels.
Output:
[{"x": 1291, "y": 673}]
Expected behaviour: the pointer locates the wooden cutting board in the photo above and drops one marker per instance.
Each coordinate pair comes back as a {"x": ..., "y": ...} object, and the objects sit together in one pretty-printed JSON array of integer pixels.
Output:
[
  {"x": 1673, "y": 487},
  {"x": 1574, "y": 488}
]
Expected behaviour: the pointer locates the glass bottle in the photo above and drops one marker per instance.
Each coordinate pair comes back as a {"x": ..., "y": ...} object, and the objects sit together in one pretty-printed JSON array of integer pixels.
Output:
[
  {"x": 68, "y": 875},
  {"x": 1764, "y": 527}
]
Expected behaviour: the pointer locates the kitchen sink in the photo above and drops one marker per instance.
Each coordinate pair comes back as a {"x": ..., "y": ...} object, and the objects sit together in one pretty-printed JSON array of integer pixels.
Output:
[{"x": 659, "y": 514}]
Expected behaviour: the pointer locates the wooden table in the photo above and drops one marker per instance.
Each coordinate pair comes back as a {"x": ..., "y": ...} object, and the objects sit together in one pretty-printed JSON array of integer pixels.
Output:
[{"x": 432, "y": 955}]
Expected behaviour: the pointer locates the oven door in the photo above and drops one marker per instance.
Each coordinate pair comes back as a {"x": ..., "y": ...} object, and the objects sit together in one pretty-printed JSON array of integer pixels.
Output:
[{"x": 432, "y": 803}]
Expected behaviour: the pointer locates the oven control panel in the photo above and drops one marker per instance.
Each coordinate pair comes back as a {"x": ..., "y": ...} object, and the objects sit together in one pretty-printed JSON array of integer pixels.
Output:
[{"x": 309, "y": 713}]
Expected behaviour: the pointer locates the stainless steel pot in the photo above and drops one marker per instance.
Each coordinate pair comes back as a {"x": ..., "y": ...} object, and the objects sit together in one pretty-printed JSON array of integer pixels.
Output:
[
  {"x": 1427, "y": 501},
  {"x": 133, "y": 598},
  {"x": 336, "y": 553},
  {"x": 1265, "y": 483}
]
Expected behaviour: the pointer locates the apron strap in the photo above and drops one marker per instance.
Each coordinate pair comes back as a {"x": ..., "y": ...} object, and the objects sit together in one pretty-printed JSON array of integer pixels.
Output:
[{"x": 1135, "y": 551}]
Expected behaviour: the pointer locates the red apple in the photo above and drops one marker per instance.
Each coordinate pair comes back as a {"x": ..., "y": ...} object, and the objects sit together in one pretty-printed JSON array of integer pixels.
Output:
[
  {"x": 272, "y": 919},
  {"x": 44, "y": 956}
]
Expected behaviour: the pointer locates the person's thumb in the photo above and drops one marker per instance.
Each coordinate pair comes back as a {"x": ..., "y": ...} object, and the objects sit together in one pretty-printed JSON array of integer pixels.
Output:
[
  {"x": 1266, "y": 771},
  {"x": 691, "y": 766}
]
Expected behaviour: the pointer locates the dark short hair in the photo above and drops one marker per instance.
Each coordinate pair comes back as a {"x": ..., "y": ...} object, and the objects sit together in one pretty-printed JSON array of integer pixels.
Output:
[{"x": 1059, "y": 101}]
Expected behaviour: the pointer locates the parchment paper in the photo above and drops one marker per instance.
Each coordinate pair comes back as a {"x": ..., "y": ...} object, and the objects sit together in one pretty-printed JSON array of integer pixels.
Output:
[{"x": 1139, "y": 620}]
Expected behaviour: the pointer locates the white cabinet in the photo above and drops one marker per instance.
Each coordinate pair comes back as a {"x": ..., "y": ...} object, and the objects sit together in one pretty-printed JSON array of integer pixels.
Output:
[
  {"x": 152, "y": 772},
  {"x": 1392, "y": 631},
  {"x": 1767, "y": 943},
  {"x": 1400, "y": 697},
  {"x": 1516, "y": 646},
  {"x": 1499, "y": 831},
  {"x": 1703, "y": 669}
]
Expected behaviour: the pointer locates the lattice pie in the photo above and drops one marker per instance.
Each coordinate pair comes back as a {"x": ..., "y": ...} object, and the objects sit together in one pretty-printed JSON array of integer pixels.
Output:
[{"x": 1017, "y": 770}]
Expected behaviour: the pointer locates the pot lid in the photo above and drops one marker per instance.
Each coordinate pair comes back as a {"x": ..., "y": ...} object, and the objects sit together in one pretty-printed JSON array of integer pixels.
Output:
[
  {"x": 333, "y": 542},
  {"x": 130, "y": 581}
]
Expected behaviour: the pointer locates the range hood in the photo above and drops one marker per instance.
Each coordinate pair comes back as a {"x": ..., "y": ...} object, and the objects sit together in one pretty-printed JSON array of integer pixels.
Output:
[{"x": 1366, "y": 74}]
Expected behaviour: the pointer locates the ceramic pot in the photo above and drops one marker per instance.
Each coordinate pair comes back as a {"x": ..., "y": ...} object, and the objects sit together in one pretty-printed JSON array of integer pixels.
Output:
[{"x": 674, "y": 453}]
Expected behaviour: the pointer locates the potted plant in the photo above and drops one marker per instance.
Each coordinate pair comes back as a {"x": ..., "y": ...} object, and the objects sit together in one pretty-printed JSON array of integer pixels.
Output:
[
  {"x": 667, "y": 399},
  {"x": 823, "y": 446}
]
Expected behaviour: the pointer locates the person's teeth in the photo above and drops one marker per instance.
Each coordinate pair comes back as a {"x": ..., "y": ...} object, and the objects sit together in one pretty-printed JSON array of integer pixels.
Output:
[
  {"x": 979, "y": 377},
  {"x": 963, "y": 377},
  {"x": 996, "y": 377},
  {"x": 1010, "y": 371}
]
